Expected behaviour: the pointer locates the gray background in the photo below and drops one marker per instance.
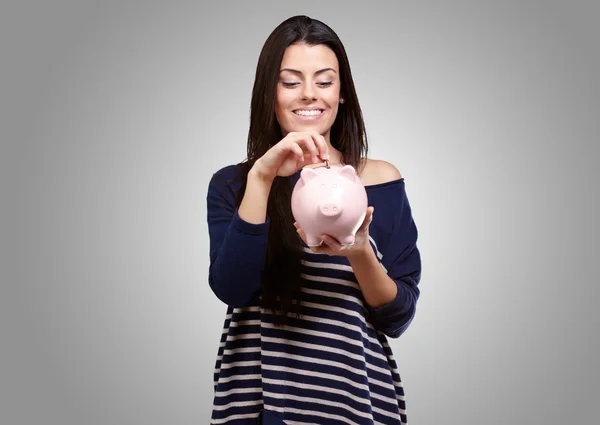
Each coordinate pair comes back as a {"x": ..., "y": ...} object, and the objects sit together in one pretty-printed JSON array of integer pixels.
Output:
[{"x": 116, "y": 114}]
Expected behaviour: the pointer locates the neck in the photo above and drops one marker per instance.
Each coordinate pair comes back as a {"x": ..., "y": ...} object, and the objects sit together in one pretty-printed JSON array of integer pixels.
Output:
[{"x": 335, "y": 156}]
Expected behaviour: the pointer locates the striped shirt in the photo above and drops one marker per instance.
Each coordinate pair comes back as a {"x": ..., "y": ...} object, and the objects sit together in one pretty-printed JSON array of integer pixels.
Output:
[{"x": 333, "y": 364}]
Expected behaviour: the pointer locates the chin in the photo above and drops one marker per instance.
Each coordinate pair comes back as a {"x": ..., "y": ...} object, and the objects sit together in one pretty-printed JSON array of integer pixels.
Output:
[{"x": 307, "y": 127}]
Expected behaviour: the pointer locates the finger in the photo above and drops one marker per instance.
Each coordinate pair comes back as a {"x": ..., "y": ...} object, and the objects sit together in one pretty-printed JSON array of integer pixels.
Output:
[
  {"x": 320, "y": 249},
  {"x": 307, "y": 141},
  {"x": 283, "y": 150},
  {"x": 315, "y": 249},
  {"x": 322, "y": 145},
  {"x": 332, "y": 243},
  {"x": 303, "y": 237},
  {"x": 297, "y": 150},
  {"x": 368, "y": 218},
  {"x": 301, "y": 234}
]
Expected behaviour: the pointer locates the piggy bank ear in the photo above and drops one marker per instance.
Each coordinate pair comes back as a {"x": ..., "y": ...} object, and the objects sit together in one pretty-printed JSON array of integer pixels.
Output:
[
  {"x": 348, "y": 172},
  {"x": 307, "y": 174}
]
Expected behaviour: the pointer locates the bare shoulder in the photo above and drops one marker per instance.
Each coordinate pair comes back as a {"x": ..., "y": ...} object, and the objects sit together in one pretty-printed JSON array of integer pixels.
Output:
[{"x": 377, "y": 171}]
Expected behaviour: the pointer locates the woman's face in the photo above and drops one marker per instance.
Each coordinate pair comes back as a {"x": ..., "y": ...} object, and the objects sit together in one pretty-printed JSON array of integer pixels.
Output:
[{"x": 308, "y": 90}]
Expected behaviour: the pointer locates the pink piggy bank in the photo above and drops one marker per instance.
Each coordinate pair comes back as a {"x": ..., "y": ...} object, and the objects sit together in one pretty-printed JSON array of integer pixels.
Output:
[{"x": 329, "y": 200}]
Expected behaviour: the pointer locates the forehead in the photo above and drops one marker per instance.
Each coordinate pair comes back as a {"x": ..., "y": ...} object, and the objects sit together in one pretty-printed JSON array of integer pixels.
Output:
[{"x": 309, "y": 59}]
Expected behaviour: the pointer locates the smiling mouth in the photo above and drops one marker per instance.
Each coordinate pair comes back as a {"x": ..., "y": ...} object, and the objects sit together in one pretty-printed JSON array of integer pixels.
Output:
[{"x": 309, "y": 113}]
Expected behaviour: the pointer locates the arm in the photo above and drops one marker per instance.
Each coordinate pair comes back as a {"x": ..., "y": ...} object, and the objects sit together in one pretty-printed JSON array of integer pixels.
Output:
[
  {"x": 392, "y": 296},
  {"x": 253, "y": 208},
  {"x": 376, "y": 286},
  {"x": 239, "y": 237},
  {"x": 238, "y": 240}
]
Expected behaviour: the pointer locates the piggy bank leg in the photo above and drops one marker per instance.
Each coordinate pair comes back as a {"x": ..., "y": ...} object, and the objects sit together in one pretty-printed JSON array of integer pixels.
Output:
[
  {"x": 347, "y": 240},
  {"x": 312, "y": 240}
]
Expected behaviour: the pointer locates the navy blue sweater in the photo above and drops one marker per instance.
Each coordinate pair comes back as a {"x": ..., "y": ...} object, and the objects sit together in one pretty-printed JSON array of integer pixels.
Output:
[{"x": 332, "y": 364}]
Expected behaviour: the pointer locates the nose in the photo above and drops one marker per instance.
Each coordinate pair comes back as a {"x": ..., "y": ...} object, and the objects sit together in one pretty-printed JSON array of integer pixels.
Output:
[
  {"x": 308, "y": 92},
  {"x": 330, "y": 209}
]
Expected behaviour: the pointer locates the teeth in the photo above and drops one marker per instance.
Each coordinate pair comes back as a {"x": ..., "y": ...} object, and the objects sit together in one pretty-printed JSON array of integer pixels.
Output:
[{"x": 309, "y": 113}]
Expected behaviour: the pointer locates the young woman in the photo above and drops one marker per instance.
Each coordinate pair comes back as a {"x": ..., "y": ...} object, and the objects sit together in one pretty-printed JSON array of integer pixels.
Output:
[{"x": 305, "y": 335}]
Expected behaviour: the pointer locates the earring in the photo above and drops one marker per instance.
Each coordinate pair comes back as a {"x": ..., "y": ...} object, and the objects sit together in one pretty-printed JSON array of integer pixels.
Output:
[{"x": 342, "y": 100}]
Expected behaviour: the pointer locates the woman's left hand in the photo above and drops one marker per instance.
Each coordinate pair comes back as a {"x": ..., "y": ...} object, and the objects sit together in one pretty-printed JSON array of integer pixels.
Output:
[{"x": 331, "y": 246}]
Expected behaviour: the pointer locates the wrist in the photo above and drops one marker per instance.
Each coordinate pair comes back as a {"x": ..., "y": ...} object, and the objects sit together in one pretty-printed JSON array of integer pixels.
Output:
[
  {"x": 362, "y": 256},
  {"x": 259, "y": 176}
]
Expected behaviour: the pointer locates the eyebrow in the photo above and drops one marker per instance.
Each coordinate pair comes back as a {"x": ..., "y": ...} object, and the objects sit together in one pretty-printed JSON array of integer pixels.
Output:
[{"x": 295, "y": 71}]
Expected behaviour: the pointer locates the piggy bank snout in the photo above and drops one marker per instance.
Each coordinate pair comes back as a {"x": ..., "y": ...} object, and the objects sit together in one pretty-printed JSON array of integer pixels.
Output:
[{"x": 330, "y": 209}]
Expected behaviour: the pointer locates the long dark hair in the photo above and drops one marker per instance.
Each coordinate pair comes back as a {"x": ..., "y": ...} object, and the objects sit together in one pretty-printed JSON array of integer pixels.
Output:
[{"x": 347, "y": 134}]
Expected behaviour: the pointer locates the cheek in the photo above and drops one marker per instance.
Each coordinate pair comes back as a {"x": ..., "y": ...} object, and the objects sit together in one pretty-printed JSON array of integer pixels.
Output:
[
  {"x": 334, "y": 110},
  {"x": 282, "y": 102},
  {"x": 333, "y": 99},
  {"x": 279, "y": 107}
]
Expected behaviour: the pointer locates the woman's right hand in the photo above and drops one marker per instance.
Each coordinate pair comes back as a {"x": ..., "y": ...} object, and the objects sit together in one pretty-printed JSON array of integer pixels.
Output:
[{"x": 293, "y": 152}]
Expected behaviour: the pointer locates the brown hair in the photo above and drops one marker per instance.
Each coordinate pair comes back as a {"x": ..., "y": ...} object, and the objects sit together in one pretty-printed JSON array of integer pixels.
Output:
[{"x": 348, "y": 135}]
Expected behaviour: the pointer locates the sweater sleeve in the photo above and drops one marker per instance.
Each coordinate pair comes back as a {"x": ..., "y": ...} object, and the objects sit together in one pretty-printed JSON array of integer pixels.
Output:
[
  {"x": 237, "y": 247},
  {"x": 402, "y": 260}
]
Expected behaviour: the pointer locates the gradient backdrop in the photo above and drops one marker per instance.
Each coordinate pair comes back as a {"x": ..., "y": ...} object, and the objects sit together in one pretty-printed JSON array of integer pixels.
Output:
[{"x": 116, "y": 114}]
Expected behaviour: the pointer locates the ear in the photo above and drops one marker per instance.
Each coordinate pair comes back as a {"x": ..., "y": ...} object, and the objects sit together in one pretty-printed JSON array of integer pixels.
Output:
[
  {"x": 307, "y": 174},
  {"x": 348, "y": 172}
]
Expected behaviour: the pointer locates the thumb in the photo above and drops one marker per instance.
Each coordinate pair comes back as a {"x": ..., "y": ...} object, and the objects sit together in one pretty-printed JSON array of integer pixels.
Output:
[{"x": 368, "y": 218}]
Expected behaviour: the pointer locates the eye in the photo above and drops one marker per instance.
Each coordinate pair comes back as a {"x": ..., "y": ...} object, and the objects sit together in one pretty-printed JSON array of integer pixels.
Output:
[{"x": 327, "y": 84}]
